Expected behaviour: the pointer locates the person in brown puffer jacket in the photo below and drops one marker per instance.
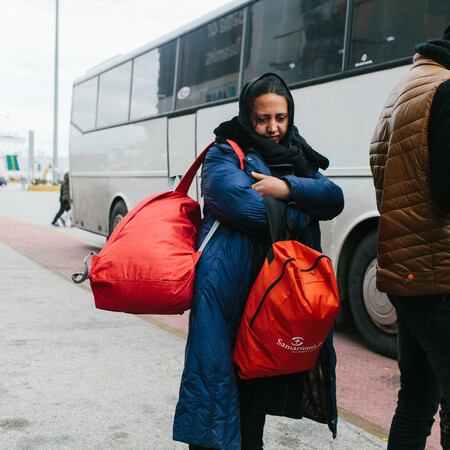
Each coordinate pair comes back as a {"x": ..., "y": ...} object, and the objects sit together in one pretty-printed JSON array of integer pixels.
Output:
[{"x": 410, "y": 162}]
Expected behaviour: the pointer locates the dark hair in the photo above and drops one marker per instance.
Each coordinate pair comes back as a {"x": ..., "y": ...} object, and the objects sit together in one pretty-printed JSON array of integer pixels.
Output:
[{"x": 269, "y": 84}]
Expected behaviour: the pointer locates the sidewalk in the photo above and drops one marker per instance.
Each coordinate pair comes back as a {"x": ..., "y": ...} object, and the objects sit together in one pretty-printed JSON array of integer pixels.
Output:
[{"x": 73, "y": 377}]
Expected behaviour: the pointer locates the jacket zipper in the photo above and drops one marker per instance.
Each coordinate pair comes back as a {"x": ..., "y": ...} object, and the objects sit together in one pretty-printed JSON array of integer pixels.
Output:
[{"x": 269, "y": 289}]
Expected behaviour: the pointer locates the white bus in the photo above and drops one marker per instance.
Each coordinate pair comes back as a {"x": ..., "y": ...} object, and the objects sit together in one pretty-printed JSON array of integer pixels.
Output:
[{"x": 139, "y": 120}]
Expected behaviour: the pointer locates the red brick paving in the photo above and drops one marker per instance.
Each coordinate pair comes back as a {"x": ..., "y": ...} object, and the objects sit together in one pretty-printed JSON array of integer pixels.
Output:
[{"x": 367, "y": 383}]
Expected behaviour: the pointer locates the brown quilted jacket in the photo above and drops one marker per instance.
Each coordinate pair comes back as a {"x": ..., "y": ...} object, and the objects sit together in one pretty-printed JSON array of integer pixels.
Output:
[{"x": 414, "y": 233}]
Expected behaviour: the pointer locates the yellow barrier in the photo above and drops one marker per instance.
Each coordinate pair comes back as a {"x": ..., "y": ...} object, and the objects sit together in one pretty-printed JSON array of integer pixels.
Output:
[{"x": 43, "y": 187}]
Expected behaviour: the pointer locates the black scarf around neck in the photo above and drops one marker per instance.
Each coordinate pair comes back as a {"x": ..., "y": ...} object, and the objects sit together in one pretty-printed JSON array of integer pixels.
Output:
[
  {"x": 293, "y": 149},
  {"x": 438, "y": 50}
]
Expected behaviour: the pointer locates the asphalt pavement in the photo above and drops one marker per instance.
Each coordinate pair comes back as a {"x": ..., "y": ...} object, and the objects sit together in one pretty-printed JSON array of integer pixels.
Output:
[{"x": 74, "y": 377}]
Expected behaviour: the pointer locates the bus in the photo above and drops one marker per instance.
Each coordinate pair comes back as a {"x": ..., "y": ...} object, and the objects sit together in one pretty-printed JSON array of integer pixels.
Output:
[{"x": 139, "y": 120}]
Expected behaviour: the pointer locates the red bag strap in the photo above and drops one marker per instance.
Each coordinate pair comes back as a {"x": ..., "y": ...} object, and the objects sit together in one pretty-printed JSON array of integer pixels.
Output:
[
  {"x": 238, "y": 152},
  {"x": 182, "y": 187},
  {"x": 186, "y": 181}
]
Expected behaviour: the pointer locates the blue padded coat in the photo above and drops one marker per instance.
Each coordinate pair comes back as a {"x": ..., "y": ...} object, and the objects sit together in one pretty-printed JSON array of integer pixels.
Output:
[{"x": 207, "y": 413}]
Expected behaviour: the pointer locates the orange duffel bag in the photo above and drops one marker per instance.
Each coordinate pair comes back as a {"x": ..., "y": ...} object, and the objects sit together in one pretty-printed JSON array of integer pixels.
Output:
[
  {"x": 291, "y": 308},
  {"x": 147, "y": 266}
]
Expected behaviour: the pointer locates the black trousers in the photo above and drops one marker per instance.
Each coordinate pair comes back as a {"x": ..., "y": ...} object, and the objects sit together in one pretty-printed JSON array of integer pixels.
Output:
[
  {"x": 424, "y": 362},
  {"x": 252, "y": 424},
  {"x": 65, "y": 206}
]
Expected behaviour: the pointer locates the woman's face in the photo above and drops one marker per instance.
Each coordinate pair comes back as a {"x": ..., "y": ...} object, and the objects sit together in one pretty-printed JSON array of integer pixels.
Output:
[{"x": 270, "y": 116}]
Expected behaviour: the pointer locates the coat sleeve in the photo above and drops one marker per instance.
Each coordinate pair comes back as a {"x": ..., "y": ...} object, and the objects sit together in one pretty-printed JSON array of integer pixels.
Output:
[
  {"x": 318, "y": 196},
  {"x": 228, "y": 193},
  {"x": 438, "y": 140}
]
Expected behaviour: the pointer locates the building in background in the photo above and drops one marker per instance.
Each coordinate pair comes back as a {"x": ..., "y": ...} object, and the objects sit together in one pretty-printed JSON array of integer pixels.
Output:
[{"x": 17, "y": 145}]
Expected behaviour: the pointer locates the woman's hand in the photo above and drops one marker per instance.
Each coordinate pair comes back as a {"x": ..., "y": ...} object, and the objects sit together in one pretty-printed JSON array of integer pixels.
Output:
[{"x": 271, "y": 186}]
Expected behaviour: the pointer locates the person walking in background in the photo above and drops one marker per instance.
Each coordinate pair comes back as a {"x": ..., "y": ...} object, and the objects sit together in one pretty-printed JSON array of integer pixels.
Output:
[
  {"x": 410, "y": 163},
  {"x": 216, "y": 409},
  {"x": 64, "y": 200}
]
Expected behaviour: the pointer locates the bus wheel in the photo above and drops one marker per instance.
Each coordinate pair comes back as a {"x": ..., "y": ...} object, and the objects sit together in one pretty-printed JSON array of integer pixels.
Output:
[
  {"x": 373, "y": 312},
  {"x": 117, "y": 214}
]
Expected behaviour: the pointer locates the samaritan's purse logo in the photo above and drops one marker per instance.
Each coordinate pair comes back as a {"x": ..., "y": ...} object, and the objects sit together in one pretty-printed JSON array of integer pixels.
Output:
[
  {"x": 296, "y": 341},
  {"x": 296, "y": 345}
]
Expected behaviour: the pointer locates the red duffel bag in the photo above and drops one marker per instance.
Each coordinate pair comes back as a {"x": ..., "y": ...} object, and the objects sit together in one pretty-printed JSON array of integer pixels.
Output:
[
  {"x": 291, "y": 307},
  {"x": 147, "y": 266}
]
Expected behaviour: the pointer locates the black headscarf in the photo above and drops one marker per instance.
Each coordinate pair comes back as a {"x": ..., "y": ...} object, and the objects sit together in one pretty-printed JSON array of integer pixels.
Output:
[{"x": 293, "y": 149}]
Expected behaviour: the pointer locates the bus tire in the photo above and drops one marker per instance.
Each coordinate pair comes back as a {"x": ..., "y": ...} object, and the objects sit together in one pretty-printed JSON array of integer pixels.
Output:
[
  {"x": 372, "y": 311},
  {"x": 118, "y": 212}
]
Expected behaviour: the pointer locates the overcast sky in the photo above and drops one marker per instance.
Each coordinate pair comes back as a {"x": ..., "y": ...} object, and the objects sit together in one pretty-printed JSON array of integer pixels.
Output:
[{"x": 90, "y": 31}]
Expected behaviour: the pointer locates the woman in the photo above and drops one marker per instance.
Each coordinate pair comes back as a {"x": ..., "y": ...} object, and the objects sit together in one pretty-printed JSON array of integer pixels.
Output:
[{"x": 215, "y": 408}]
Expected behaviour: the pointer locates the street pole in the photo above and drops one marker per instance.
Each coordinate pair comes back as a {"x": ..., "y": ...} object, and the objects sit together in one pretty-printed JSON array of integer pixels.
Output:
[
  {"x": 55, "y": 105},
  {"x": 31, "y": 156}
]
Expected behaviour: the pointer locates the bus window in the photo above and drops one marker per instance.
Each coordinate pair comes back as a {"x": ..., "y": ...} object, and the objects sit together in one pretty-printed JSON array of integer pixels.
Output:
[
  {"x": 299, "y": 40},
  {"x": 84, "y": 104},
  {"x": 209, "y": 62},
  {"x": 153, "y": 75},
  {"x": 382, "y": 31},
  {"x": 114, "y": 96}
]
